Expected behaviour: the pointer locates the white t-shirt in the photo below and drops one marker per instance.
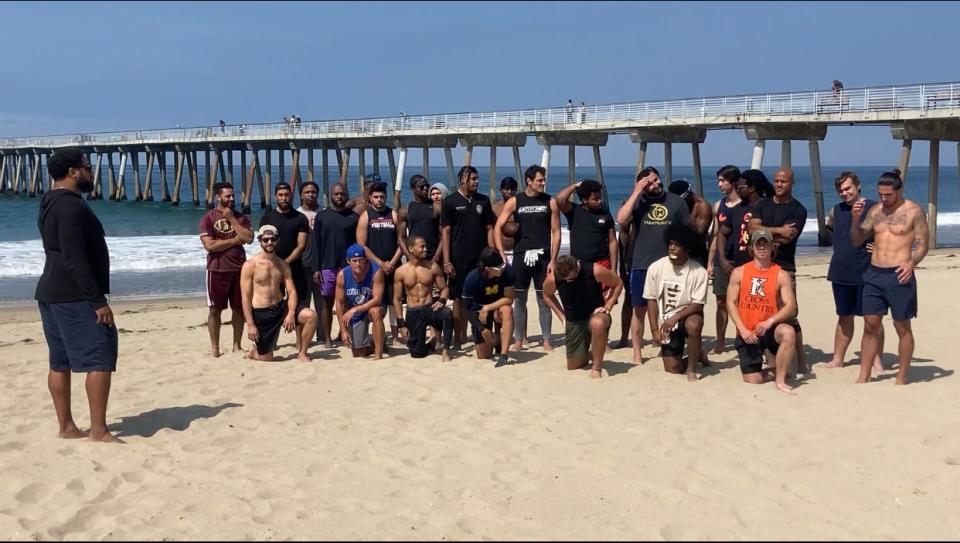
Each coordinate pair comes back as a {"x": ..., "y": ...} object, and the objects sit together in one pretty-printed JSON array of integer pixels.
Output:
[{"x": 675, "y": 287}]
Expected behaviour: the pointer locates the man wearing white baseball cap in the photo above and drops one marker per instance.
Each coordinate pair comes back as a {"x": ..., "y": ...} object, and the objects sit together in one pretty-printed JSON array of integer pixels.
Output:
[{"x": 264, "y": 307}]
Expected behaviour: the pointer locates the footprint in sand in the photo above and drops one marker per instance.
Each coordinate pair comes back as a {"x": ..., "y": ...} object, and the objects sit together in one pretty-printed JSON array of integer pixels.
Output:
[
  {"x": 76, "y": 486},
  {"x": 132, "y": 477},
  {"x": 32, "y": 493},
  {"x": 13, "y": 446}
]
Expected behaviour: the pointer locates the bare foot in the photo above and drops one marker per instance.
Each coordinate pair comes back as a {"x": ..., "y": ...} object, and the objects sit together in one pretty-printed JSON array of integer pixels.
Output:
[
  {"x": 900, "y": 381},
  {"x": 328, "y": 344},
  {"x": 105, "y": 437},
  {"x": 834, "y": 364},
  {"x": 303, "y": 357},
  {"x": 237, "y": 348},
  {"x": 861, "y": 381},
  {"x": 517, "y": 346},
  {"x": 546, "y": 346},
  {"x": 718, "y": 348},
  {"x": 72, "y": 432},
  {"x": 445, "y": 355},
  {"x": 877, "y": 368},
  {"x": 215, "y": 352},
  {"x": 638, "y": 358},
  {"x": 596, "y": 374},
  {"x": 692, "y": 377},
  {"x": 786, "y": 388}
]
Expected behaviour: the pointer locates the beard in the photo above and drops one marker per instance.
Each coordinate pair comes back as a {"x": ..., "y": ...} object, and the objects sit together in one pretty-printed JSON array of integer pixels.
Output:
[
  {"x": 284, "y": 206},
  {"x": 85, "y": 186}
]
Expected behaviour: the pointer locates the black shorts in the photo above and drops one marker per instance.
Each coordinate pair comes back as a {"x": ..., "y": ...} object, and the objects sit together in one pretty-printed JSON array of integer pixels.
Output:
[
  {"x": 455, "y": 282},
  {"x": 524, "y": 273},
  {"x": 269, "y": 321},
  {"x": 74, "y": 339},
  {"x": 473, "y": 317},
  {"x": 751, "y": 354},
  {"x": 678, "y": 339},
  {"x": 882, "y": 291},
  {"x": 387, "y": 300}
]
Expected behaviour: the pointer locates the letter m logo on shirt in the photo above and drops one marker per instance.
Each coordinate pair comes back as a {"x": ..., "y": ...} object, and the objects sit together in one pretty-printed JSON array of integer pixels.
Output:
[{"x": 756, "y": 286}]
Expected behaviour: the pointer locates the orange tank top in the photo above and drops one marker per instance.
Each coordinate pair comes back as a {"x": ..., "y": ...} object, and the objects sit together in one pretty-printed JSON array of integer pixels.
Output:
[{"x": 758, "y": 294}]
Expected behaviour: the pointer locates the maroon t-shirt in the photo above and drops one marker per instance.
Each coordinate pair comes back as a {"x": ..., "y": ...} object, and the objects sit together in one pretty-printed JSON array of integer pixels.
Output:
[{"x": 214, "y": 224}]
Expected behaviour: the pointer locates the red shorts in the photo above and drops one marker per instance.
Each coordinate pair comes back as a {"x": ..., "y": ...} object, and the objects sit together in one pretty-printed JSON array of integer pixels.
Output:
[
  {"x": 605, "y": 262},
  {"x": 224, "y": 287}
]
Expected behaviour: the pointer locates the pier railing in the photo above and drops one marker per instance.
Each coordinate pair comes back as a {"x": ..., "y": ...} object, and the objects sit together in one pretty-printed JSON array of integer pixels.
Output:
[{"x": 933, "y": 99}]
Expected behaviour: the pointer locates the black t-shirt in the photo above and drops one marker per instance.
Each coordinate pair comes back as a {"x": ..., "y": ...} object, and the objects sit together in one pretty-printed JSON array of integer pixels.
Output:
[
  {"x": 651, "y": 218},
  {"x": 468, "y": 219},
  {"x": 589, "y": 233},
  {"x": 482, "y": 291},
  {"x": 736, "y": 220},
  {"x": 533, "y": 218},
  {"x": 421, "y": 222},
  {"x": 776, "y": 215},
  {"x": 336, "y": 230},
  {"x": 289, "y": 225}
]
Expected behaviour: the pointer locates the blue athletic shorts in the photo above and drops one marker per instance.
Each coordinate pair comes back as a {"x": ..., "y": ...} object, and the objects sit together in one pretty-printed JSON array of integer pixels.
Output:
[
  {"x": 848, "y": 299},
  {"x": 882, "y": 290},
  {"x": 637, "y": 278},
  {"x": 75, "y": 340}
]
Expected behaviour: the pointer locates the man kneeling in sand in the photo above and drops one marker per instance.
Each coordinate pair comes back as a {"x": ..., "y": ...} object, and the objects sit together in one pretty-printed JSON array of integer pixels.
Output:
[
  {"x": 760, "y": 301},
  {"x": 488, "y": 295},
  {"x": 585, "y": 311},
  {"x": 358, "y": 297},
  {"x": 417, "y": 278},
  {"x": 264, "y": 306}
]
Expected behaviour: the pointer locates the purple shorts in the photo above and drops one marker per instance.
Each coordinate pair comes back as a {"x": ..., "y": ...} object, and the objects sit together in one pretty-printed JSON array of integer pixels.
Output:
[{"x": 328, "y": 282}]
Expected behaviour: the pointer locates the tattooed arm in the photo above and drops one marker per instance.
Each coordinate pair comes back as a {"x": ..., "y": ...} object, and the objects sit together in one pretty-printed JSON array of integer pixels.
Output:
[{"x": 921, "y": 236}]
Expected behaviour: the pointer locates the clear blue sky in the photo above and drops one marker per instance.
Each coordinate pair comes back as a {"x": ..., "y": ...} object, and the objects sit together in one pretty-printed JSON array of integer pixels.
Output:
[{"x": 86, "y": 67}]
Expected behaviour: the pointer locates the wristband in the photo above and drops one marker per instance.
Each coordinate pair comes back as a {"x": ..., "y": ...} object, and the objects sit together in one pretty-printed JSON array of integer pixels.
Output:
[
  {"x": 443, "y": 301},
  {"x": 401, "y": 323}
]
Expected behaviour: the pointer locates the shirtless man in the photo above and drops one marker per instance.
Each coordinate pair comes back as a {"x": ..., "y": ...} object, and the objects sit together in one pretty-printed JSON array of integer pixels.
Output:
[
  {"x": 264, "y": 307},
  {"x": 417, "y": 278},
  {"x": 900, "y": 234}
]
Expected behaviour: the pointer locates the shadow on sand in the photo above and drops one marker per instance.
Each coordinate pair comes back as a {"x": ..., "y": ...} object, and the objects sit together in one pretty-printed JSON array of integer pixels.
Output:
[{"x": 148, "y": 423}]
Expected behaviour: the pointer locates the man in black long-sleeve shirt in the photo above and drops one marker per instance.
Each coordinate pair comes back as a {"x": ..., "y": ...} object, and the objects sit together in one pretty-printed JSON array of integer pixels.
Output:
[{"x": 77, "y": 321}]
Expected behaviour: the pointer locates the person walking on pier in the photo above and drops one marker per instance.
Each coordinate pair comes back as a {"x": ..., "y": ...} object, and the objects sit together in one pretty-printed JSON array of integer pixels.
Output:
[
  {"x": 335, "y": 229},
  {"x": 309, "y": 207},
  {"x": 223, "y": 127},
  {"x": 466, "y": 223},
  {"x": 417, "y": 280},
  {"x": 223, "y": 233},
  {"x": 727, "y": 176},
  {"x": 586, "y": 310},
  {"x": 569, "y": 110},
  {"x": 760, "y": 301},
  {"x": 848, "y": 263},
  {"x": 377, "y": 234},
  {"x": 264, "y": 279},
  {"x": 293, "y": 228},
  {"x": 72, "y": 293},
  {"x": 649, "y": 211},
  {"x": 536, "y": 250},
  {"x": 901, "y": 235},
  {"x": 784, "y": 216}
]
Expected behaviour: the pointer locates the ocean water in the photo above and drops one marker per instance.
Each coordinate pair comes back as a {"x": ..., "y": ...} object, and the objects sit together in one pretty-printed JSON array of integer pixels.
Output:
[{"x": 155, "y": 248}]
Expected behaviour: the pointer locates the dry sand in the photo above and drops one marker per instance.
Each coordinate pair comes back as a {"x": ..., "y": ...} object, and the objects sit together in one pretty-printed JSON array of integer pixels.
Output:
[{"x": 418, "y": 449}]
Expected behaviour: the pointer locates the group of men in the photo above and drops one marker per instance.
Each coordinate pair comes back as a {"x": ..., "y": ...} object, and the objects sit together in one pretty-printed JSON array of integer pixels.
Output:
[
  {"x": 484, "y": 256},
  {"x": 347, "y": 257}
]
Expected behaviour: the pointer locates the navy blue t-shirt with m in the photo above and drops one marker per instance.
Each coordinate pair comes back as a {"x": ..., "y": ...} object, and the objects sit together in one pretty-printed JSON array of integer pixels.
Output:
[{"x": 482, "y": 291}]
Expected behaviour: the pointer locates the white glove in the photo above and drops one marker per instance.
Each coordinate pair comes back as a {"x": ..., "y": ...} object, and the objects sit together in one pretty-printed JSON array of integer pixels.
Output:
[{"x": 530, "y": 257}]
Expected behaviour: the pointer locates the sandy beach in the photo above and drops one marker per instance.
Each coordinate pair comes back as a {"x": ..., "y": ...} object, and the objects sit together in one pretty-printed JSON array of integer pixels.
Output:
[{"x": 418, "y": 449}]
